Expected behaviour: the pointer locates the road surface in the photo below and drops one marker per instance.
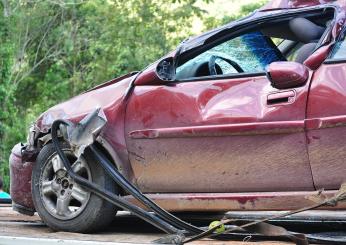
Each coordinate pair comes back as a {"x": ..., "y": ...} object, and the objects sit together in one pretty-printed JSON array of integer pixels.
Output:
[{"x": 19, "y": 229}]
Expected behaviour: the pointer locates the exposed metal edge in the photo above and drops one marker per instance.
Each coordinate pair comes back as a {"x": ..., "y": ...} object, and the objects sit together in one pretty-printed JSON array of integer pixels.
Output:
[{"x": 11, "y": 240}]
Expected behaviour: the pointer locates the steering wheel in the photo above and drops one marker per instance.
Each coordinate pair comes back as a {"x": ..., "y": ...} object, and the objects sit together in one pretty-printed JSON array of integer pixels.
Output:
[{"x": 212, "y": 64}]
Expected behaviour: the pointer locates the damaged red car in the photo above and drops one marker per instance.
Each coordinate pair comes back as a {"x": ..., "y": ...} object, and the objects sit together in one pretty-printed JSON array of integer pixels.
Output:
[{"x": 249, "y": 116}]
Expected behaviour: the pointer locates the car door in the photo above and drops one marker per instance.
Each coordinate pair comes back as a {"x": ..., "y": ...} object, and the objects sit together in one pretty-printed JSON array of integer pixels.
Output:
[
  {"x": 326, "y": 120},
  {"x": 227, "y": 133}
]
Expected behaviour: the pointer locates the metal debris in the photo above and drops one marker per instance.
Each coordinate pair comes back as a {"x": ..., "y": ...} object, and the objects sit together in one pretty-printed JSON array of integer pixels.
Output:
[
  {"x": 85, "y": 132},
  {"x": 260, "y": 227}
]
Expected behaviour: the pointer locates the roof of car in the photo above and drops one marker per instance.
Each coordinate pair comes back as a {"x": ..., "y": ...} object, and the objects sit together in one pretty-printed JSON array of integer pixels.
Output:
[
  {"x": 287, "y": 4},
  {"x": 278, "y": 6}
]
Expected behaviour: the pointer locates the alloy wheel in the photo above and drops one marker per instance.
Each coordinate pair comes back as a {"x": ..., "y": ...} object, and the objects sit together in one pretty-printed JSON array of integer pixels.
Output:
[{"x": 62, "y": 197}]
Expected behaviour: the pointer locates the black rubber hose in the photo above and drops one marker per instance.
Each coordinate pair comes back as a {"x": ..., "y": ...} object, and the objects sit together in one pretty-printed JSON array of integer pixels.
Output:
[
  {"x": 110, "y": 197},
  {"x": 126, "y": 185}
]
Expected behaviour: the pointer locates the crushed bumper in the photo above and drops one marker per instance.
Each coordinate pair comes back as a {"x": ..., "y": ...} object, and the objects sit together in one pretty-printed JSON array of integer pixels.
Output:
[{"x": 20, "y": 173}]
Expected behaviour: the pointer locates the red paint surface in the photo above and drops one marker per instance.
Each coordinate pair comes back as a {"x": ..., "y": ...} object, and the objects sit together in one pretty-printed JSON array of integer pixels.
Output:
[
  {"x": 326, "y": 118},
  {"x": 317, "y": 58},
  {"x": 287, "y": 74},
  {"x": 221, "y": 135},
  {"x": 221, "y": 130},
  {"x": 235, "y": 201},
  {"x": 327, "y": 148},
  {"x": 20, "y": 176},
  {"x": 161, "y": 121},
  {"x": 112, "y": 100}
]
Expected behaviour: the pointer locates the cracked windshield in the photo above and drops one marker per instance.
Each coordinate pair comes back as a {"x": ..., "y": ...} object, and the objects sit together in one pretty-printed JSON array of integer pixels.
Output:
[{"x": 252, "y": 52}]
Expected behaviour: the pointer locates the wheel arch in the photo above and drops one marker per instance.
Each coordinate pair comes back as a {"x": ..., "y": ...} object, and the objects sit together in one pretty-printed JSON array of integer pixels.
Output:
[{"x": 102, "y": 144}]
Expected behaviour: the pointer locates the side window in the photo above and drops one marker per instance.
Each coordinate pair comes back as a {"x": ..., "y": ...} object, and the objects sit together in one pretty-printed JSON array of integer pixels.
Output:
[
  {"x": 339, "y": 51},
  {"x": 248, "y": 53}
]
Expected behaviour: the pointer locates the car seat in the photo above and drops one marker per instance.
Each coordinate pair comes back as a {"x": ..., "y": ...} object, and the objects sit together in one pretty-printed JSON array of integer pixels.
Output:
[{"x": 308, "y": 33}]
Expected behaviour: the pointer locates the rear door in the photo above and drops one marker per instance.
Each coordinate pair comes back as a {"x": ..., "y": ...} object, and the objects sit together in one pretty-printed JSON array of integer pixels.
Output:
[
  {"x": 326, "y": 123},
  {"x": 224, "y": 133}
]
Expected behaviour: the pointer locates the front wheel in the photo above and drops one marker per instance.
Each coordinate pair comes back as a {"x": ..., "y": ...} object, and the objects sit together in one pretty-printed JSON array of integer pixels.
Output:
[{"x": 63, "y": 204}]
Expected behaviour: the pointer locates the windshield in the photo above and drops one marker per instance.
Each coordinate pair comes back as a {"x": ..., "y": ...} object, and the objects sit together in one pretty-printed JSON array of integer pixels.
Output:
[{"x": 248, "y": 53}]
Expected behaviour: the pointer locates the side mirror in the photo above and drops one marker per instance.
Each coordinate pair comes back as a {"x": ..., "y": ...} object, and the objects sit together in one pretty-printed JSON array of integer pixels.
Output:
[
  {"x": 165, "y": 69},
  {"x": 157, "y": 73},
  {"x": 285, "y": 74}
]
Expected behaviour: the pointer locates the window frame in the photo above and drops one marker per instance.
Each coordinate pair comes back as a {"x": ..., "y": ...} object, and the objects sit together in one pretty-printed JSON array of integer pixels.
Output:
[
  {"x": 242, "y": 28},
  {"x": 331, "y": 60}
]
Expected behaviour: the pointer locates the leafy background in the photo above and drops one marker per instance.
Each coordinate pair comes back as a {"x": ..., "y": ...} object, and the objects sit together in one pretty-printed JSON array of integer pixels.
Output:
[{"x": 51, "y": 50}]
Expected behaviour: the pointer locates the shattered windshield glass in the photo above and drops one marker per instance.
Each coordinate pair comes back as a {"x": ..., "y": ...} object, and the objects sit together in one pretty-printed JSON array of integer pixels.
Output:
[{"x": 251, "y": 51}]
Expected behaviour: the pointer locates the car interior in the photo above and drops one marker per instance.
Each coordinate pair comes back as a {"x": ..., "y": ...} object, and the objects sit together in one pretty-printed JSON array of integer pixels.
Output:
[{"x": 291, "y": 39}]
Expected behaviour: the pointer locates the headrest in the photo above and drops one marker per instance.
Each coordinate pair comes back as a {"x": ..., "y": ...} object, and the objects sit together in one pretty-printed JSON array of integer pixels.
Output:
[
  {"x": 305, "y": 30},
  {"x": 304, "y": 52}
]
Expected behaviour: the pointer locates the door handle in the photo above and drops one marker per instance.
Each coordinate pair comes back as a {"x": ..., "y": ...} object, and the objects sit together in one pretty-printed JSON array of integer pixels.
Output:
[{"x": 285, "y": 97}]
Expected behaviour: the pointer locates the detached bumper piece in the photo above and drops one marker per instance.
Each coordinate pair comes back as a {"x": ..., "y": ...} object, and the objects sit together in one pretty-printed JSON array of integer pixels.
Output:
[{"x": 81, "y": 137}]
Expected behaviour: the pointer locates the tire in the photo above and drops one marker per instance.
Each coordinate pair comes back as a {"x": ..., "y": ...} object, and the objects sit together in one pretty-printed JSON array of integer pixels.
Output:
[{"x": 64, "y": 205}]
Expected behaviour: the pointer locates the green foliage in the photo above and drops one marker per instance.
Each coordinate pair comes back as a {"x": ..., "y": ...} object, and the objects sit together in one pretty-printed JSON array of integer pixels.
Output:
[
  {"x": 53, "y": 50},
  {"x": 245, "y": 10},
  {"x": 6, "y": 93}
]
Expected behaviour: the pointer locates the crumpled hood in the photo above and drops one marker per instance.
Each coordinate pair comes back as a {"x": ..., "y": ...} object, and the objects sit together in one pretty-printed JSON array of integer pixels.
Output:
[{"x": 105, "y": 96}]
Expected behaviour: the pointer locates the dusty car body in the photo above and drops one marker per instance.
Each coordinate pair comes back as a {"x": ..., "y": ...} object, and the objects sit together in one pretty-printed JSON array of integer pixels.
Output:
[{"x": 260, "y": 140}]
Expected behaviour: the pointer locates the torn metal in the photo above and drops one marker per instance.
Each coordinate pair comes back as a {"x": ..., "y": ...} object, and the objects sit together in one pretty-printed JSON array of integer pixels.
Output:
[{"x": 85, "y": 132}]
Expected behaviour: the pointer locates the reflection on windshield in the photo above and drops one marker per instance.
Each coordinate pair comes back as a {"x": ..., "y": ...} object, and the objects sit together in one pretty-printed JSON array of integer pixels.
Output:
[
  {"x": 262, "y": 50},
  {"x": 252, "y": 52}
]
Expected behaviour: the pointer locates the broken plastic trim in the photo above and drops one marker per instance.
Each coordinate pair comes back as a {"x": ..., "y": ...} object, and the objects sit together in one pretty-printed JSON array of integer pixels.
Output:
[{"x": 84, "y": 133}]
